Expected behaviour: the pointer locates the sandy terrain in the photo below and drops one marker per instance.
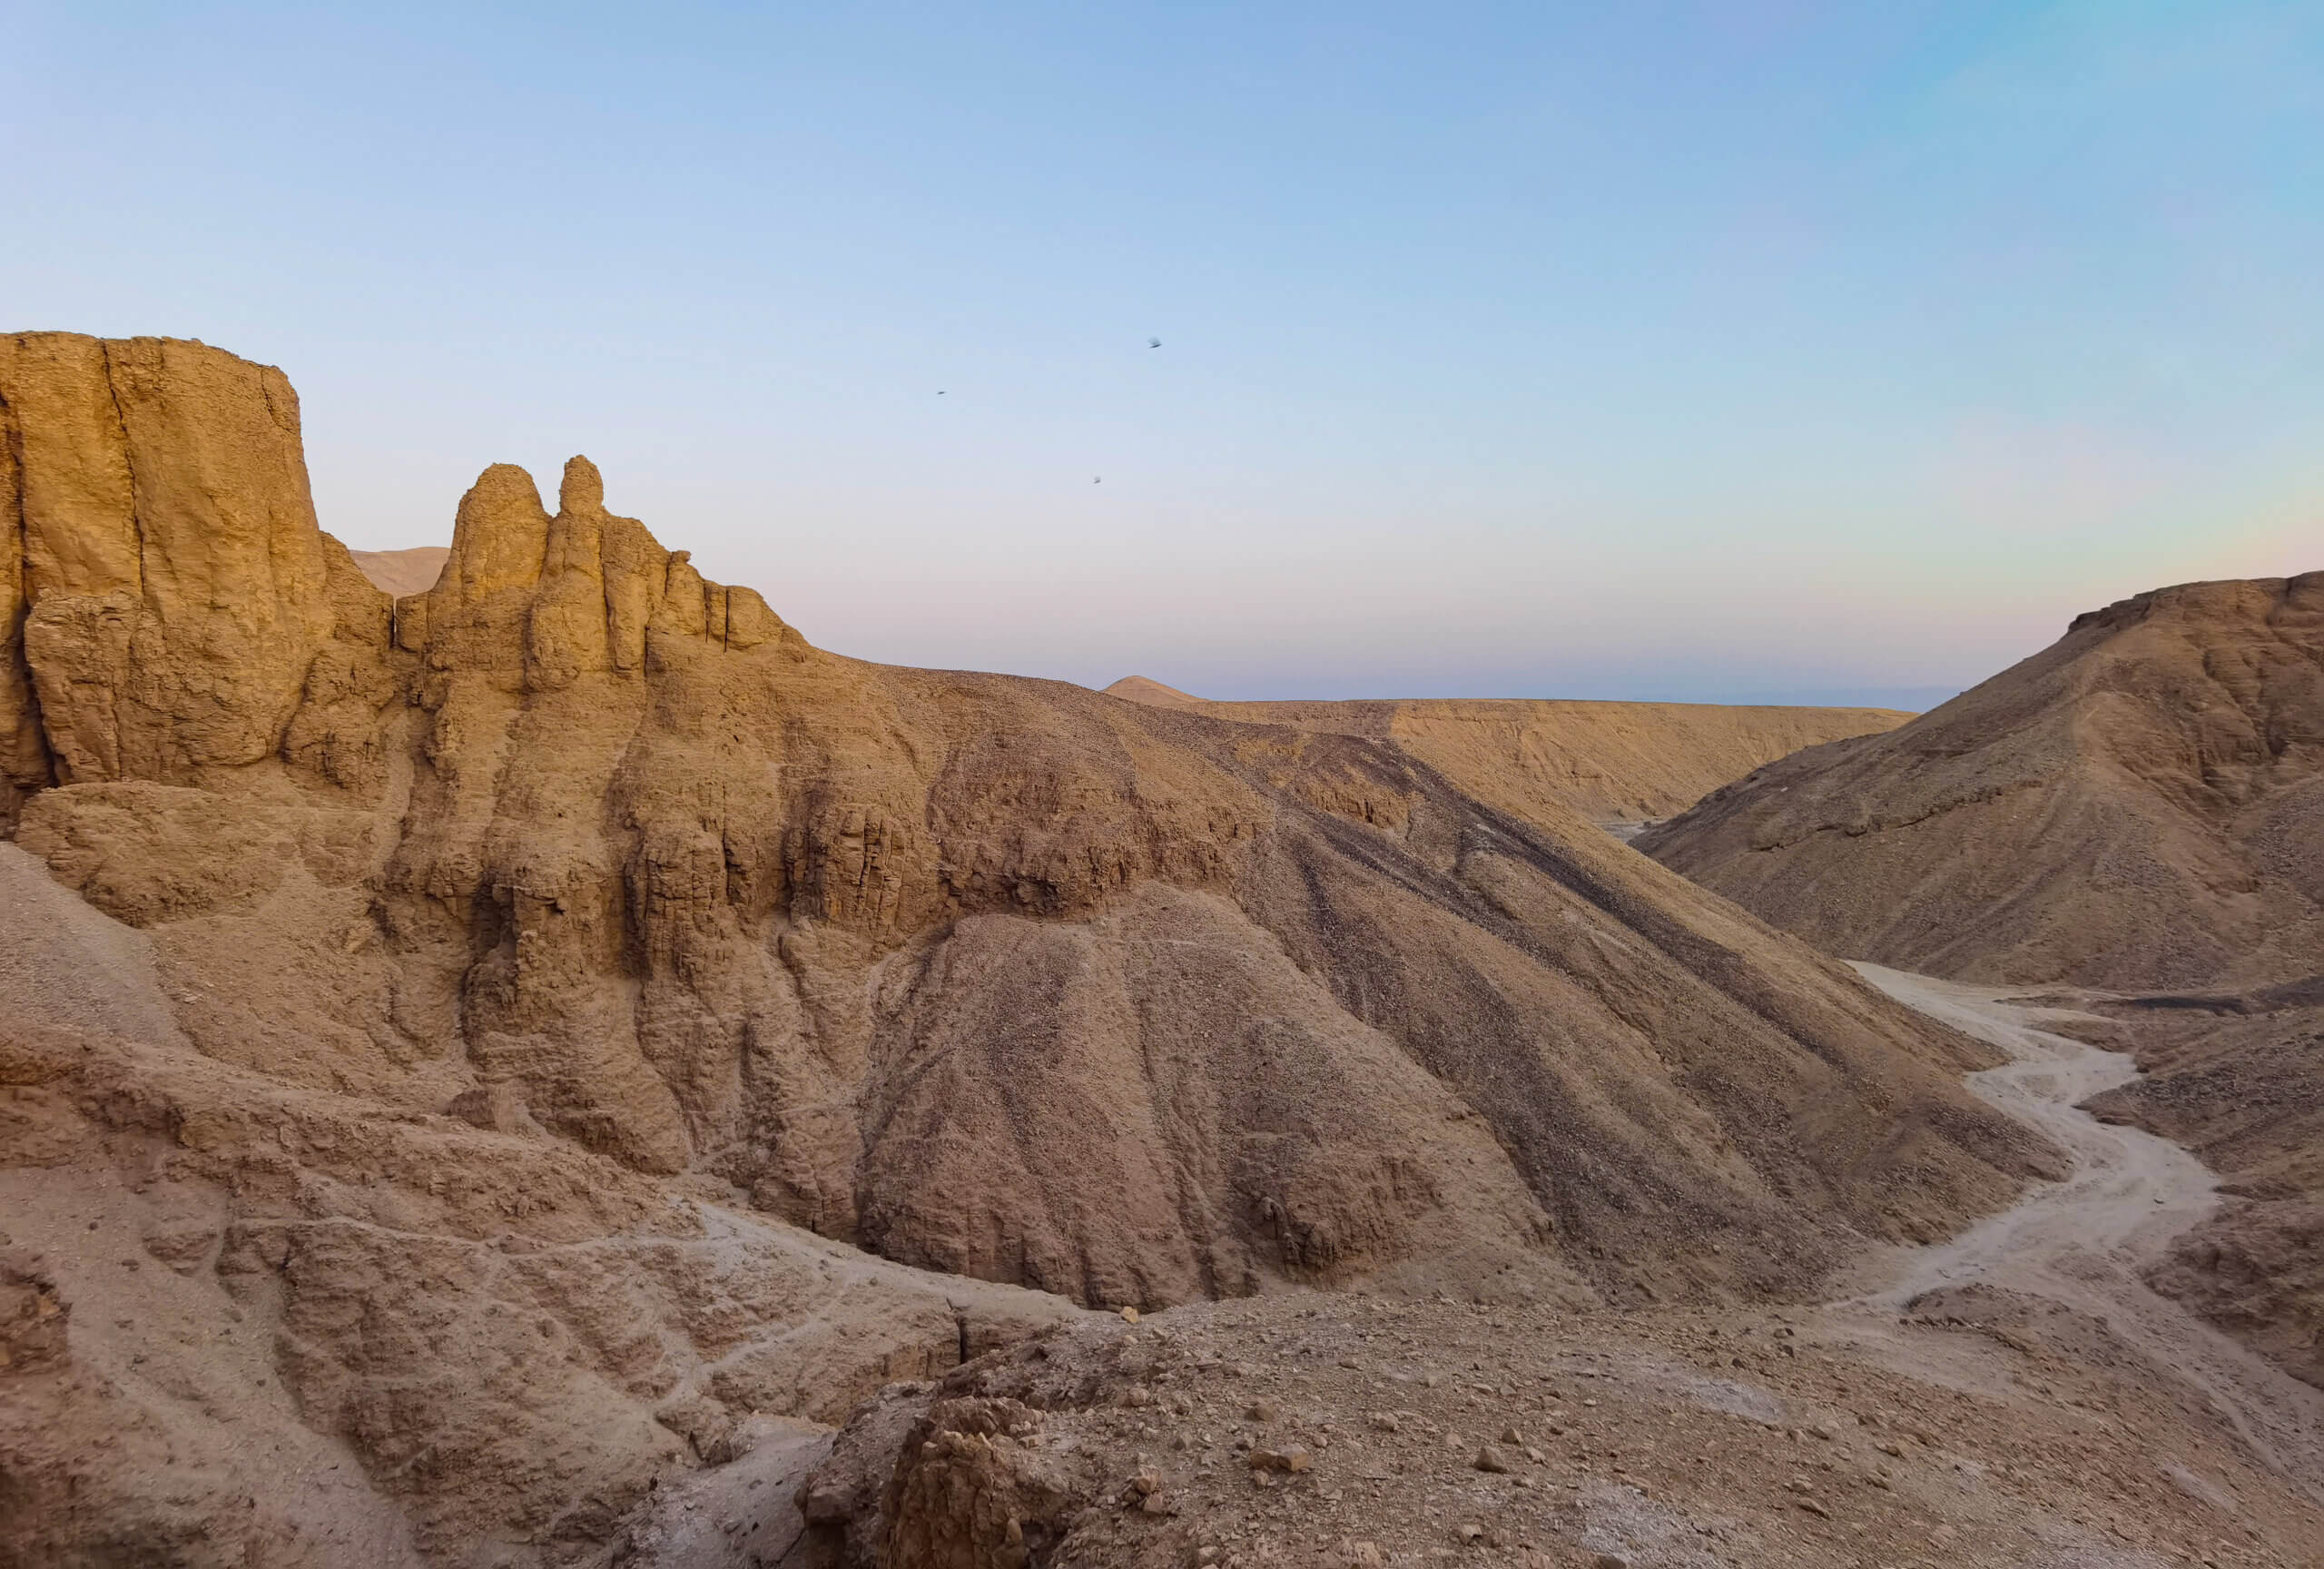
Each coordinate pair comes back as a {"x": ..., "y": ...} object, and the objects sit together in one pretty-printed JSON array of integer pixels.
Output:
[
  {"x": 2088, "y": 1242},
  {"x": 2012, "y": 1396},
  {"x": 2130, "y": 1193}
]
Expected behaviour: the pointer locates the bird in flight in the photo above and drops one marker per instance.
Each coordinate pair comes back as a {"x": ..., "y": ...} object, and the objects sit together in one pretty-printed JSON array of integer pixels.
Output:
[
  {"x": 1100, "y": 479},
  {"x": 1154, "y": 343}
]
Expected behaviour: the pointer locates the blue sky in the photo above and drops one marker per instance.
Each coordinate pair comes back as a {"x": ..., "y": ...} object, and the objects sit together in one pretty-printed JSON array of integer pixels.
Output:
[{"x": 1693, "y": 351}]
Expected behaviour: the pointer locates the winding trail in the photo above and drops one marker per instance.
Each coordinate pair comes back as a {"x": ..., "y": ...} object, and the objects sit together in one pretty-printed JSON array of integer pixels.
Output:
[{"x": 2085, "y": 1242}]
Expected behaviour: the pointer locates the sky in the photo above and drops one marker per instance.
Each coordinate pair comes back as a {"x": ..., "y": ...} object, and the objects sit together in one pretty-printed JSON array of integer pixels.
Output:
[{"x": 1716, "y": 352}]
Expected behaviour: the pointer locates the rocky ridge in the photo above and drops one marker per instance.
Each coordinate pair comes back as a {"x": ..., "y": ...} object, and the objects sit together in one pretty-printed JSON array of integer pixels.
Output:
[
  {"x": 565, "y": 991},
  {"x": 2135, "y": 807},
  {"x": 1617, "y": 764}
]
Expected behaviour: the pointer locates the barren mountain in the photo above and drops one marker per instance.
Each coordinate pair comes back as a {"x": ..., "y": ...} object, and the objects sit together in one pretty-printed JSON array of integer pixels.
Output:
[
  {"x": 2138, "y": 806},
  {"x": 401, "y": 572},
  {"x": 512, "y": 1028},
  {"x": 1611, "y": 763},
  {"x": 2138, "y": 809}
]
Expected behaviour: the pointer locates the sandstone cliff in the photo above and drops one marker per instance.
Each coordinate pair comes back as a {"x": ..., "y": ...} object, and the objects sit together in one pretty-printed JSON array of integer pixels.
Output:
[{"x": 558, "y": 963}]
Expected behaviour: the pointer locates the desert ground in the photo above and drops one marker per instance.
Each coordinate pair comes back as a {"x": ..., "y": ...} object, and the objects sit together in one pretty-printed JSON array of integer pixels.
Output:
[{"x": 511, "y": 1056}]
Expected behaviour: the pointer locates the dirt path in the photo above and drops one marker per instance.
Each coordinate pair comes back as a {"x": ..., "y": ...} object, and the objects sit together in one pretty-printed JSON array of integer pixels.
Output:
[{"x": 2084, "y": 1242}]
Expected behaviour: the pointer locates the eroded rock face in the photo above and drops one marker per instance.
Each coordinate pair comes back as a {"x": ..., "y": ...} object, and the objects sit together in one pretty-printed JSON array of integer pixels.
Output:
[
  {"x": 495, "y": 920},
  {"x": 995, "y": 976},
  {"x": 170, "y": 586},
  {"x": 244, "y": 1321},
  {"x": 973, "y": 1490}
]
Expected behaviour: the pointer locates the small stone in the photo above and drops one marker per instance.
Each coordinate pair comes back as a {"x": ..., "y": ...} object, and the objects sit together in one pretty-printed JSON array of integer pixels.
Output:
[
  {"x": 1472, "y": 1532},
  {"x": 1386, "y": 1422},
  {"x": 1262, "y": 1411},
  {"x": 1536, "y": 1456},
  {"x": 1609, "y": 1560},
  {"x": 1155, "y": 1504},
  {"x": 1365, "y": 1556},
  {"x": 1509, "y": 1436},
  {"x": 1488, "y": 1458},
  {"x": 1284, "y": 1460},
  {"x": 1813, "y": 1508},
  {"x": 1826, "y": 1431},
  {"x": 1129, "y": 1315},
  {"x": 1205, "y": 1555},
  {"x": 1147, "y": 1482}
]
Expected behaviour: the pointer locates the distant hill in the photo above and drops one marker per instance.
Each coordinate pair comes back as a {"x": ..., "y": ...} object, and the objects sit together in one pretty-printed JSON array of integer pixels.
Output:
[
  {"x": 1612, "y": 762},
  {"x": 1154, "y": 695},
  {"x": 2140, "y": 806},
  {"x": 402, "y": 572}
]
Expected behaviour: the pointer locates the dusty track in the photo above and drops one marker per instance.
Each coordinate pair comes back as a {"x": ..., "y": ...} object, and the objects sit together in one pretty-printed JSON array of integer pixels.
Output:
[{"x": 2086, "y": 1242}]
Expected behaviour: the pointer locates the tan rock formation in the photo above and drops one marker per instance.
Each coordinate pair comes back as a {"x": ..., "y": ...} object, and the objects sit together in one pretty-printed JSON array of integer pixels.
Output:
[
  {"x": 1611, "y": 763},
  {"x": 235, "y": 1287},
  {"x": 546, "y": 953},
  {"x": 173, "y": 588}
]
